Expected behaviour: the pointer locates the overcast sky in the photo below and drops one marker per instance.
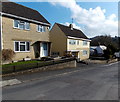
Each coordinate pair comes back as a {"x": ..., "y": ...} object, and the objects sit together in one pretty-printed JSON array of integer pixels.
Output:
[{"x": 93, "y": 18}]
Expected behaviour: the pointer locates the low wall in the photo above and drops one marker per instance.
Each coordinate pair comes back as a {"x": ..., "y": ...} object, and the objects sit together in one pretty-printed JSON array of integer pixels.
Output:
[
  {"x": 71, "y": 64},
  {"x": 101, "y": 61}
]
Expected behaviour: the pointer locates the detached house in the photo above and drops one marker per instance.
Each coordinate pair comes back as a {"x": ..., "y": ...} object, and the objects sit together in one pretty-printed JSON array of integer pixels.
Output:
[
  {"x": 25, "y": 31},
  {"x": 68, "y": 40}
]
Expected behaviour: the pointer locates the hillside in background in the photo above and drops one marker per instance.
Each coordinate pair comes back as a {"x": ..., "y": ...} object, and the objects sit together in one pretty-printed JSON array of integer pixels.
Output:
[{"x": 106, "y": 40}]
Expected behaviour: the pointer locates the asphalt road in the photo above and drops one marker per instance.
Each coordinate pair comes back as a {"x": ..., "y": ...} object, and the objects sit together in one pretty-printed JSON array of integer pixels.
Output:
[{"x": 87, "y": 82}]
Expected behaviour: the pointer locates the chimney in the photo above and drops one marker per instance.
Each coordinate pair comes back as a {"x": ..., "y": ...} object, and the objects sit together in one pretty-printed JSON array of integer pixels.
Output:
[{"x": 71, "y": 26}]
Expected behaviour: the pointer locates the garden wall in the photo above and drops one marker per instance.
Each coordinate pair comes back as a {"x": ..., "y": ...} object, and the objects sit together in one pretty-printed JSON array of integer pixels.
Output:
[{"x": 70, "y": 64}]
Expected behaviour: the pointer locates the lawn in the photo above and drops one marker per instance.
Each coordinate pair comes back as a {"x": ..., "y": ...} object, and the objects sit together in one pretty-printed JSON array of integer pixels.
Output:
[
  {"x": 25, "y": 65},
  {"x": 18, "y": 66}
]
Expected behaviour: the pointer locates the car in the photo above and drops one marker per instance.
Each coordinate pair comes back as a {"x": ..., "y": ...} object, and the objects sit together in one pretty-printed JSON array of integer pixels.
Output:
[{"x": 117, "y": 54}]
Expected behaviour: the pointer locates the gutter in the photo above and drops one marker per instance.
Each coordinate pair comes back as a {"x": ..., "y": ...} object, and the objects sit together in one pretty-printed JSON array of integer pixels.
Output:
[
  {"x": 10, "y": 15},
  {"x": 78, "y": 38}
]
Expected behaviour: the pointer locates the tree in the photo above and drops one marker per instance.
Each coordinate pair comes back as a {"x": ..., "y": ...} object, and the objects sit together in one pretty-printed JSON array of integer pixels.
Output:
[{"x": 107, "y": 41}]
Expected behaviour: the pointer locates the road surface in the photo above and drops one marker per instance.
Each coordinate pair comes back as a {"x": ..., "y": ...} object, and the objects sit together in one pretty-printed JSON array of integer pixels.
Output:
[{"x": 87, "y": 82}]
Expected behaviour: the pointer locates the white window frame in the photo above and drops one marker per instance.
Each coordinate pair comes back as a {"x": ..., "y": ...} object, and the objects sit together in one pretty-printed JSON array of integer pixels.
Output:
[
  {"x": 85, "y": 54},
  {"x": 78, "y": 42},
  {"x": 70, "y": 40},
  {"x": 42, "y": 27},
  {"x": 25, "y": 26},
  {"x": 85, "y": 43},
  {"x": 14, "y": 24},
  {"x": 18, "y": 25},
  {"x": 22, "y": 44}
]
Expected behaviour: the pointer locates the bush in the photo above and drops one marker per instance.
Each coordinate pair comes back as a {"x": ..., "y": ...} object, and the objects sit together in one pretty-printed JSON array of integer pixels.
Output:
[
  {"x": 68, "y": 55},
  {"x": 106, "y": 54},
  {"x": 46, "y": 58},
  {"x": 7, "y": 54}
]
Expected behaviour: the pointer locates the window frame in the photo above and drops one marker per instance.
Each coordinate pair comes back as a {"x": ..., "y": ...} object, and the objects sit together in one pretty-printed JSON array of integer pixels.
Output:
[
  {"x": 72, "y": 42},
  {"x": 85, "y": 43},
  {"x": 14, "y": 24},
  {"x": 42, "y": 28},
  {"x": 78, "y": 43},
  {"x": 20, "y": 45},
  {"x": 19, "y": 24},
  {"x": 25, "y": 26},
  {"x": 84, "y": 53}
]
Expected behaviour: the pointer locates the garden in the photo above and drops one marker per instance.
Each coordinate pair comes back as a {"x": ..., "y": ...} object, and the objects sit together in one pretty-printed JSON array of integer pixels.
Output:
[{"x": 31, "y": 64}]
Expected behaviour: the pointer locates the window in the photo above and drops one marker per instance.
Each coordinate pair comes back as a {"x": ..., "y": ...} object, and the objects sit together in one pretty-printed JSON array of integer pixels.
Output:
[
  {"x": 21, "y": 25},
  {"x": 78, "y": 42},
  {"x": 84, "y": 52},
  {"x": 16, "y": 22},
  {"x": 27, "y": 26},
  {"x": 55, "y": 53},
  {"x": 72, "y": 42},
  {"x": 40, "y": 28},
  {"x": 84, "y": 42},
  {"x": 21, "y": 46}
]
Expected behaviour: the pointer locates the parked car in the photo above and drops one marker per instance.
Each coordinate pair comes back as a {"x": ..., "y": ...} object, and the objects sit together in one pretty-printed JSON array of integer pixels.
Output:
[{"x": 117, "y": 54}]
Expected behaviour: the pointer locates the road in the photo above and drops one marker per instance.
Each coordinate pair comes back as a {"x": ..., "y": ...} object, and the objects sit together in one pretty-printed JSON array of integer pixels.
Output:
[{"x": 86, "y": 82}]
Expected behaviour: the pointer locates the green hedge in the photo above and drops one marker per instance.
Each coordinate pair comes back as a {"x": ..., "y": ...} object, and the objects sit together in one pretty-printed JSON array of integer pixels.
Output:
[{"x": 25, "y": 65}]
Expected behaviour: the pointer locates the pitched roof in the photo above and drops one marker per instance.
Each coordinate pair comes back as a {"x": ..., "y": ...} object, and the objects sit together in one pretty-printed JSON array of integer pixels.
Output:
[
  {"x": 22, "y": 11},
  {"x": 72, "y": 33}
]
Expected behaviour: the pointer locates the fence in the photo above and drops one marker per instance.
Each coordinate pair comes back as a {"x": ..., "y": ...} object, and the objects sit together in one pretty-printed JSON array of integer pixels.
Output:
[{"x": 26, "y": 66}]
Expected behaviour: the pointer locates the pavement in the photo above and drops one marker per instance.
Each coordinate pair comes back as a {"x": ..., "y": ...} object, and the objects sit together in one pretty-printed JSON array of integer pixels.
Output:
[{"x": 86, "y": 82}]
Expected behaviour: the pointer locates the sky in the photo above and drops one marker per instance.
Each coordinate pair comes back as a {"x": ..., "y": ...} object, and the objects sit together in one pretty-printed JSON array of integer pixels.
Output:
[{"x": 93, "y": 18}]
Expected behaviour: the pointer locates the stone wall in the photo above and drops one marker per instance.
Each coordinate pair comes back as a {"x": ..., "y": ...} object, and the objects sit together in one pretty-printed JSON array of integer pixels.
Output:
[{"x": 71, "y": 64}]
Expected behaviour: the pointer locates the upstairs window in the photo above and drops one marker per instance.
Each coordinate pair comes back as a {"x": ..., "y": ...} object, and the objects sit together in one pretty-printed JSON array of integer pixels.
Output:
[
  {"x": 27, "y": 26},
  {"x": 40, "y": 28},
  {"x": 72, "y": 42},
  {"x": 16, "y": 24},
  {"x": 21, "y": 25},
  {"x": 77, "y": 42},
  {"x": 84, "y": 42}
]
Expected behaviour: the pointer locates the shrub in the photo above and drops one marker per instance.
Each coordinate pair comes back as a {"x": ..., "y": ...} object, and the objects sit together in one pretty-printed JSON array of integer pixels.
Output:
[
  {"x": 46, "y": 58},
  {"x": 7, "y": 54},
  {"x": 106, "y": 54},
  {"x": 68, "y": 55}
]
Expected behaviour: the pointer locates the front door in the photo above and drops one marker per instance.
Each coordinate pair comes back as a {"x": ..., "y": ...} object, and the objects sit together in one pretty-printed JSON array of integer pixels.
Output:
[{"x": 44, "y": 50}]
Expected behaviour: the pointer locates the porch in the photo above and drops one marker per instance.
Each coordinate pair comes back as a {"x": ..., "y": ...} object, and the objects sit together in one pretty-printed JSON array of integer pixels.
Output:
[{"x": 41, "y": 49}]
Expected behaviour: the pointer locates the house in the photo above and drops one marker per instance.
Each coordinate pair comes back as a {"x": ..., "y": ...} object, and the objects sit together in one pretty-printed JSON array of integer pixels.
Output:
[
  {"x": 25, "y": 31},
  {"x": 68, "y": 40},
  {"x": 97, "y": 50}
]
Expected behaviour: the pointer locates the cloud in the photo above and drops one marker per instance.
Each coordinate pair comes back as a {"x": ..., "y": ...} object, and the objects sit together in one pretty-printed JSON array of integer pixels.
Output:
[{"x": 94, "y": 21}]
